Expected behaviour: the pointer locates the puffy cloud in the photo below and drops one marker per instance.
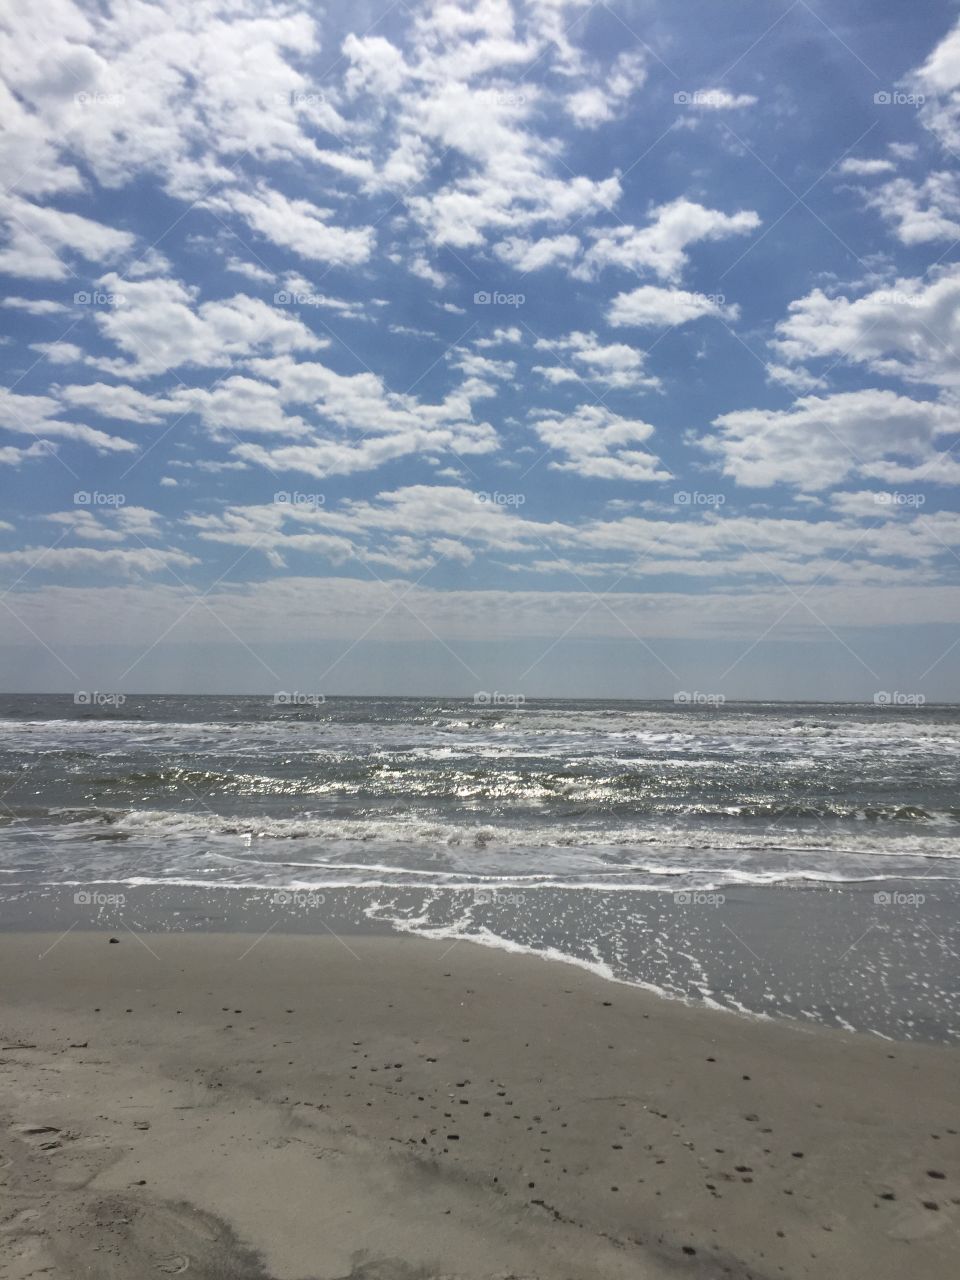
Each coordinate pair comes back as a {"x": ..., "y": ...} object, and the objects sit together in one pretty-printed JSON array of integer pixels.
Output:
[
  {"x": 108, "y": 524},
  {"x": 297, "y": 225},
  {"x": 651, "y": 306},
  {"x": 500, "y": 337},
  {"x": 921, "y": 212},
  {"x": 373, "y": 425},
  {"x": 938, "y": 80},
  {"x": 820, "y": 441},
  {"x": 598, "y": 443},
  {"x": 158, "y": 326},
  {"x": 908, "y": 330},
  {"x": 450, "y": 93},
  {"x": 36, "y": 306},
  {"x": 177, "y": 90},
  {"x": 533, "y": 255},
  {"x": 600, "y": 102},
  {"x": 38, "y": 416},
  {"x": 124, "y": 403},
  {"x": 11, "y": 456},
  {"x": 260, "y": 275},
  {"x": 36, "y": 237},
  {"x": 794, "y": 379},
  {"x": 59, "y": 352},
  {"x": 660, "y": 247},
  {"x": 613, "y": 365}
]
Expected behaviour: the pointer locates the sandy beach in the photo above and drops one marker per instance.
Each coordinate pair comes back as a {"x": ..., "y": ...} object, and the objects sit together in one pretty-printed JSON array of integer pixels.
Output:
[{"x": 301, "y": 1107}]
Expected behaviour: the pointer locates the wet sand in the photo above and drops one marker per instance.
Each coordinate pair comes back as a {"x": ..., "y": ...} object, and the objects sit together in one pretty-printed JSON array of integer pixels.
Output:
[{"x": 393, "y": 1109}]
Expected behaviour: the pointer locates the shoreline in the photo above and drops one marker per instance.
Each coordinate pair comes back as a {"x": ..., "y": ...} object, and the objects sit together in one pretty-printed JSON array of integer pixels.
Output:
[
  {"x": 378, "y": 1107},
  {"x": 810, "y": 955}
]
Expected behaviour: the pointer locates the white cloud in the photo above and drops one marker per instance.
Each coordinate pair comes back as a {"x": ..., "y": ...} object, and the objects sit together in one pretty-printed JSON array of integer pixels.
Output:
[
  {"x": 921, "y": 212},
  {"x": 908, "y": 330},
  {"x": 600, "y": 102},
  {"x": 613, "y": 365},
  {"x": 93, "y": 559},
  {"x": 868, "y": 504},
  {"x": 37, "y": 416},
  {"x": 865, "y": 168},
  {"x": 598, "y": 443},
  {"x": 419, "y": 265},
  {"x": 59, "y": 352},
  {"x": 938, "y": 80},
  {"x": 820, "y": 441},
  {"x": 797, "y": 379},
  {"x": 373, "y": 425},
  {"x": 38, "y": 236},
  {"x": 239, "y": 267},
  {"x": 158, "y": 326},
  {"x": 510, "y": 335},
  {"x": 180, "y": 91},
  {"x": 450, "y": 95},
  {"x": 297, "y": 225},
  {"x": 108, "y": 524},
  {"x": 124, "y": 403},
  {"x": 534, "y": 255},
  {"x": 651, "y": 306},
  {"x": 36, "y": 306},
  {"x": 11, "y": 456},
  {"x": 660, "y": 247}
]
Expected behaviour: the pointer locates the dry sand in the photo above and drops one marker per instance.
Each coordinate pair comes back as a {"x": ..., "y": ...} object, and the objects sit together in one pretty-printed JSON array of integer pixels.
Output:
[{"x": 396, "y": 1110}]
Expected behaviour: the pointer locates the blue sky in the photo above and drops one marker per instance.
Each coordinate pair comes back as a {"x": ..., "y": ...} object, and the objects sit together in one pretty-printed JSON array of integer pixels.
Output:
[{"x": 563, "y": 348}]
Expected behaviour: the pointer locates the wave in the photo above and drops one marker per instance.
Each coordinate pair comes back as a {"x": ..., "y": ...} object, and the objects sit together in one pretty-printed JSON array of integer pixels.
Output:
[{"x": 414, "y": 829}]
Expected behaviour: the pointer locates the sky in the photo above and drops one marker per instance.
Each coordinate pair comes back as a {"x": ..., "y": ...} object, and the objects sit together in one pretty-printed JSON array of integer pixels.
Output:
[{"x": 545, "y": 348}]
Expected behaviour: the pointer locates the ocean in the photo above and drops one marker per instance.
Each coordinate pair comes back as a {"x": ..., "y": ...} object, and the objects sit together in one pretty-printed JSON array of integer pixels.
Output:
[{"x": 793, "y": 860}]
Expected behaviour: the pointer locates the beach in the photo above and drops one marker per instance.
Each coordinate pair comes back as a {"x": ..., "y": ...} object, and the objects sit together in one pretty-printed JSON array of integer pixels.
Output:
[{"x": 234, "y": 1104}]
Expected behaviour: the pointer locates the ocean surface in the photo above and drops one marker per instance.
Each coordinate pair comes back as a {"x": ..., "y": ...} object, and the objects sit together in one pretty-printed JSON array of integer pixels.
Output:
[{"x": 728, "y": 853}]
